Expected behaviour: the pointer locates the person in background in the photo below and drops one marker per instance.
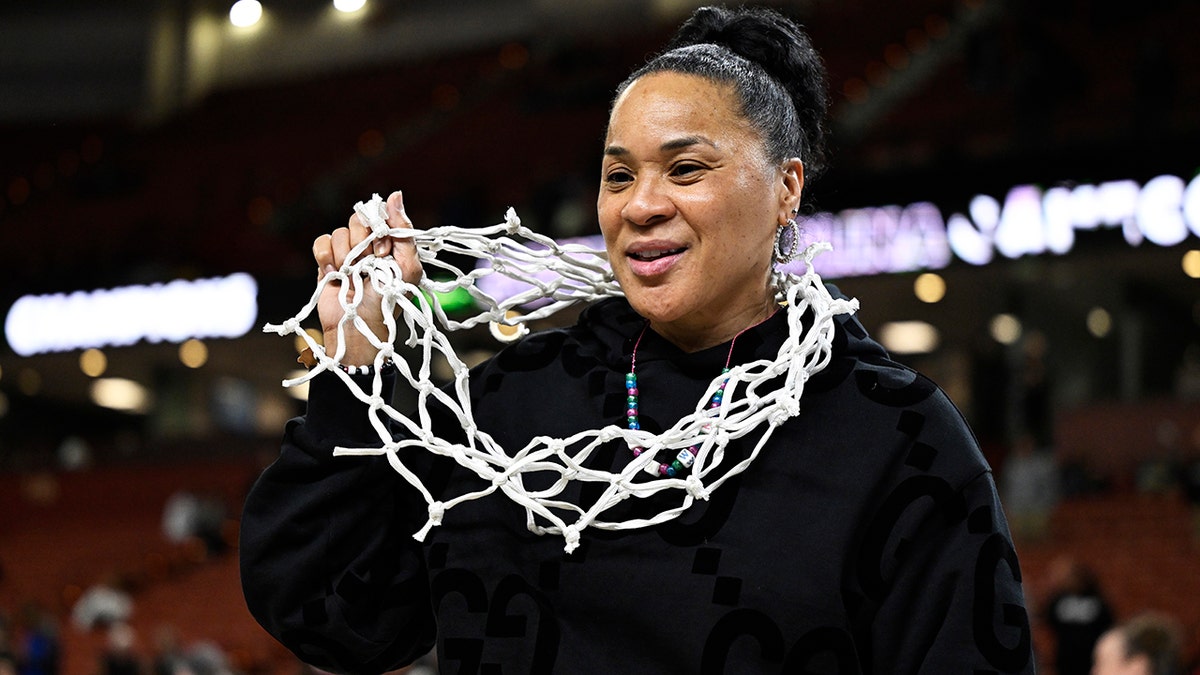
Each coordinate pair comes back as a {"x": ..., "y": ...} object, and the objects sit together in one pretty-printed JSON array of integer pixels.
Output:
[
  {"x": 1029, "y": 486},
  {"x": 1147, "y": 644},
  {"x": 120, "y": 655},
  {"x": 1077, "y": 614},
  {"x": 38, "y": 646}
]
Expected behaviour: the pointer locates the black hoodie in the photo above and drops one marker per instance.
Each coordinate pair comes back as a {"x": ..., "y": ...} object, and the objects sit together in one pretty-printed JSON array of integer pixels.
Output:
[{"x": 866, "y": 538}]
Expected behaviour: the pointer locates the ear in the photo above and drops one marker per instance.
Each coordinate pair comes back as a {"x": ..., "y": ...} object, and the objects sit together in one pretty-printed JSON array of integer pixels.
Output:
[{"x": 791, "y": 184}]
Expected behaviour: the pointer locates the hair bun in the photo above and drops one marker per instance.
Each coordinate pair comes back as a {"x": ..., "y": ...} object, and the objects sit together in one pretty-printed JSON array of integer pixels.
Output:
[{"x": 781, "y": 48}]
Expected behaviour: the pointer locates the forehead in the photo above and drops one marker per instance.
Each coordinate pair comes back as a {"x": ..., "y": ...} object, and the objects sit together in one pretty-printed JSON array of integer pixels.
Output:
[
  {"x": 677, "y": 103},
  {"x": 1109, "y": 650}
]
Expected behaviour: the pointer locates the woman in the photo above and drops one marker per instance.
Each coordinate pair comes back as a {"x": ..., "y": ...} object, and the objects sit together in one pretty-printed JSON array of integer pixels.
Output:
[
  {"x": 1147, "y": 644},
  {"x": 866, "y": 537}
]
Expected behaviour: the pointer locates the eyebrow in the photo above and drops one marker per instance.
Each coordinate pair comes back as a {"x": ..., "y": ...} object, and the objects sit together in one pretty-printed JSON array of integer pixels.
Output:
[{"x": 669, "y": 146}]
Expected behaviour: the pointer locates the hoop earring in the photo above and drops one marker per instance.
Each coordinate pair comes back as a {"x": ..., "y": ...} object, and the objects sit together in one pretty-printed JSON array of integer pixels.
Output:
[{"x": 785, "y": 251}]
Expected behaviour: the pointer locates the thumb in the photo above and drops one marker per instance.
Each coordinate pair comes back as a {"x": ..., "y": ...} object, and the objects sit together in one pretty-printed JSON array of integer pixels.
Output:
[
  {"x": 403, "y": 249},
  {"x": 396, "y": 217}
]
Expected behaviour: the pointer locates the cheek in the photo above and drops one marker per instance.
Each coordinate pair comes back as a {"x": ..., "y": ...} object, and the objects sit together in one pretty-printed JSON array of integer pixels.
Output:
[
  {"x": 610, "y": 227},
  {"x": 609, "y": 230},
  {"x": 608, "y": 210}
]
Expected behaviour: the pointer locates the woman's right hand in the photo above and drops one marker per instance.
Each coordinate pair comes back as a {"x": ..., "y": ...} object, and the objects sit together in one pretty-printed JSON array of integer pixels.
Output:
[{"x": 330, "y": 252}]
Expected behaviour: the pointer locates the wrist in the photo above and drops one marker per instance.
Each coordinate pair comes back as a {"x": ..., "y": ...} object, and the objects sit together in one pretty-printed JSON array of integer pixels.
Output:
[{"x": 358, "y": 350}]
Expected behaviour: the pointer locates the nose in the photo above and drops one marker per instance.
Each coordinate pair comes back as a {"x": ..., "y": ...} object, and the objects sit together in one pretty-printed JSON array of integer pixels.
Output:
[{"x": 648, "y": 203}]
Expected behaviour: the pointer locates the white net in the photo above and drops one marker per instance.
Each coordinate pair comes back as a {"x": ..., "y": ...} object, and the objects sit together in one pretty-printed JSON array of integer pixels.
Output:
[{"x": 758, "y": 397}]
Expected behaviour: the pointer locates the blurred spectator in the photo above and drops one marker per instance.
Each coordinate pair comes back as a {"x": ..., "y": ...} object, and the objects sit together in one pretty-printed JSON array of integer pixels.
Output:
[
  {"x": 1148, "y": 644},
  {"x": 38, "y": 647},
  {"x": 103, "y": 604},
  {"x": 187, "y": 515},
  {"x": 1077, "y": 614},
  {"x": 1029, "y": 489},
  {"x": 120, "y": 657}
]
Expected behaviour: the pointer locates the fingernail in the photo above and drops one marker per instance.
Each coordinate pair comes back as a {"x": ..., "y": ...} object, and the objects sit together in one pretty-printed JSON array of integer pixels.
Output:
[
  {"x": 329, "y": 269},
  {"x": 378, "y": 247}
]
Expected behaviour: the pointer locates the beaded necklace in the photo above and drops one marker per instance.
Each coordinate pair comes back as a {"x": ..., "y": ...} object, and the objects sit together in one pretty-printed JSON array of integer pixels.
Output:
[{"x": 686, "y": 457}]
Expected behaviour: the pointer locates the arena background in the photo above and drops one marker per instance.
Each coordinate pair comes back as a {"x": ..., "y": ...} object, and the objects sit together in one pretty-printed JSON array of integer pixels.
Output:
[{"x": 1039, "y": 158}]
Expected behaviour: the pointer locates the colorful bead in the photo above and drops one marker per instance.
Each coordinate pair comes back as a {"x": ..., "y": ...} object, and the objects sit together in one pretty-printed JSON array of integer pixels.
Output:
[{"x": 687, "y": 457}]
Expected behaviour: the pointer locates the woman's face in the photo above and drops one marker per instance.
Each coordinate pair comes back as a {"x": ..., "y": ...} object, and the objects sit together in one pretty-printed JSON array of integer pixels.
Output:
[
  {"x": 1108, "y": 657},
  {"x": 689, "y": 205}
]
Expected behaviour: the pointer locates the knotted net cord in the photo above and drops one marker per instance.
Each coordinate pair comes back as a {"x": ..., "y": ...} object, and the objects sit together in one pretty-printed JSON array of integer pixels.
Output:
[{"x": 559, "y": 275}]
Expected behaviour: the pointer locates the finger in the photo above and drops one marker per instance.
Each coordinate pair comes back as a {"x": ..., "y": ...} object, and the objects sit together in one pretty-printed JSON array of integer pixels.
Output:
[
  {"x": 340, "y": 245},
  {"x": 323, "y": 255},
  {"x": 358, "y": 230},
  {"x": 396, "y": 217},
  {"x": 404, "y": 249}
]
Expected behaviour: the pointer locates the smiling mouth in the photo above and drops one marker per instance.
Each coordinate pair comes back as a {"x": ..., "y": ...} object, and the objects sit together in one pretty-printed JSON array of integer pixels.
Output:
[{"x": 647, "y": 256}]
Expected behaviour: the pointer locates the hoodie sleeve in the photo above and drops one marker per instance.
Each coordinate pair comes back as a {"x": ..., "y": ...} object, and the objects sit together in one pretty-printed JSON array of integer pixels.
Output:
[
  {"x": 938, "y": 568},
  {"x": 328, "y": 563},
  {"x": 955, "y": 602}
]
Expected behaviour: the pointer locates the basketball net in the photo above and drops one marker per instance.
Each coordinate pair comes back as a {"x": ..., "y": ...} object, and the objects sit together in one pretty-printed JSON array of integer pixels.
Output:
[{"x": 557, "y": 276}]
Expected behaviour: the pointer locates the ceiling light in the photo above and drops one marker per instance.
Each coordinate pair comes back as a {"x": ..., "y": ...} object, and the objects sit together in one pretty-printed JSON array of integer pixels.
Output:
[
  {"x": 909, "y": 337},
  {"x": 93, "y": 363},
  {"x": 1099, "y": 322},
  {"x": 1005, "y": 329},
  {"x": 245, "y": 13},
  {"x": 1191, "y": 264},
  {"x": 120, "y": 394},
  {"x": 929, "y": 287},
  {"x": 193, "y": 353}
]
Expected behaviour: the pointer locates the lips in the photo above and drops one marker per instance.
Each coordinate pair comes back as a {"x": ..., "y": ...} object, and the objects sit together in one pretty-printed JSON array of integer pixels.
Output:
[{"x": 653, "y": 258}]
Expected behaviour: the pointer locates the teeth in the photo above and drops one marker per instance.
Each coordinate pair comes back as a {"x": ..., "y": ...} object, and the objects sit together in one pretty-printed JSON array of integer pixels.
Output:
[{"x": 655, "y": 255}]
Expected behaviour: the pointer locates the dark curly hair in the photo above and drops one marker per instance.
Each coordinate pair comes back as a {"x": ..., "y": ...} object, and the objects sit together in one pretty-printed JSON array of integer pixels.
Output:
[{"x": 770, "y": 62}]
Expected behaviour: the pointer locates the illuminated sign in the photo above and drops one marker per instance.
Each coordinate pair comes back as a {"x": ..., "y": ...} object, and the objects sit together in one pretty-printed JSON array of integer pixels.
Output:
[
  {"x": 1030, "y": 221},
  {"x": 220, "y": 307}
]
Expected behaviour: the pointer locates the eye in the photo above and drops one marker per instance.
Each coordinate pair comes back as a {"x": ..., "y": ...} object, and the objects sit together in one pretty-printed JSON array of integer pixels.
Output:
[
  {"x": 686, "y": 170},
  {"x": 618, "y": 176}
]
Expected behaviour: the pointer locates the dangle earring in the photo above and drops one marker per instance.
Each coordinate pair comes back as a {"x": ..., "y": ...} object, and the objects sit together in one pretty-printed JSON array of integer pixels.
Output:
[{"x": 787, "y": 241}]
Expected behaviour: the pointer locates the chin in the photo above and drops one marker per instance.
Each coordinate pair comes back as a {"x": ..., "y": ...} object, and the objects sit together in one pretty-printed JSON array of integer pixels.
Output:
[{"x": 653, "y": 306}]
